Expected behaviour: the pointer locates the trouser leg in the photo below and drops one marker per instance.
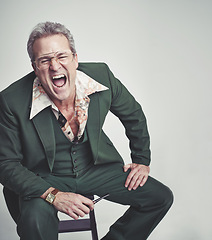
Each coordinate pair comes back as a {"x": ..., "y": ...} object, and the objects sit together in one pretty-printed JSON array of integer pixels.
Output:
[
  {"x": 38, "y": 220},
  {"x": 148, "y": 204},
  {"x": 147, "y": 208}
]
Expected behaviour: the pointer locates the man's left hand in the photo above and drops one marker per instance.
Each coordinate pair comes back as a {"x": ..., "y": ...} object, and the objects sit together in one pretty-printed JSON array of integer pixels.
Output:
[{"x": 138, "y": 175}]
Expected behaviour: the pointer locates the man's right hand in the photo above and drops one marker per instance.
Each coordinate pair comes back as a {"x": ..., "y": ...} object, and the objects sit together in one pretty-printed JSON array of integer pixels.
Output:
[{"x": 72, "y": 204}]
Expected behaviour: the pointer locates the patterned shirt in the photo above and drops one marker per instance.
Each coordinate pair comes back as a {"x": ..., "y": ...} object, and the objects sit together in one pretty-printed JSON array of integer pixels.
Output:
[{"x": 85, "y": 86}]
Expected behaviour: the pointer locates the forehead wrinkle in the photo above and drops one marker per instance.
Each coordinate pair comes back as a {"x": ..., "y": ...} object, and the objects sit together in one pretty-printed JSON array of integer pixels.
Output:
[{"x": 47, "y": 54}]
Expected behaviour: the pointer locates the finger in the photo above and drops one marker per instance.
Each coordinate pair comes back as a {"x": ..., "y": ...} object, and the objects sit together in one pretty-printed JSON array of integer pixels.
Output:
[
  {"x": 88, "y": 203},
  {"x": 131, "y": 179},
  {"x": 79, "y": 212},
  {"x": 126, "y": 167},
  {"x": 143, "y": 181},
  {"x": 135, "y": 181},
  {"x": 138, "y": 182},
  {"x": 73, "y": 215},
  {"x": 85, "y": 208}
]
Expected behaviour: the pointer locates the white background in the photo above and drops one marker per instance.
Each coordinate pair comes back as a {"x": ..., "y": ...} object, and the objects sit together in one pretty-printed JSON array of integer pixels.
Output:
[{"x": 161, "y": 50}]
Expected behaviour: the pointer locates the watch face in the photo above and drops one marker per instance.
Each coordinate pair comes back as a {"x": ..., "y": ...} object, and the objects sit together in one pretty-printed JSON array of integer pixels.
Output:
[{"x": 50, "y": 198}]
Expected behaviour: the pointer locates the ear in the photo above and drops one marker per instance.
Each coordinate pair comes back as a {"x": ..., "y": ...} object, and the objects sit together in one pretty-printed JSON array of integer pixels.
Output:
[
  {"x": 76, "y": 60},
  {"x": 34, "y": 68}
]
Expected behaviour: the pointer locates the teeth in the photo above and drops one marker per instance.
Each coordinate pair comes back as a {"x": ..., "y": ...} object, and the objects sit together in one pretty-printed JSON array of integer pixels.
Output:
[{"x": 59, "y": 76}]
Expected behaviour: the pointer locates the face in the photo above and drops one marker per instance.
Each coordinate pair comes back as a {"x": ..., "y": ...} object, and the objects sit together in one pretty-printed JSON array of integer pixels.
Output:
[{"x": 58, "y": 79}]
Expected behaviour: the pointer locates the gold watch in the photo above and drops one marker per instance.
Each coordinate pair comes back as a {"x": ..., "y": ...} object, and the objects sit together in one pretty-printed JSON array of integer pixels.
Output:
[{"x": 51, "y": 196}]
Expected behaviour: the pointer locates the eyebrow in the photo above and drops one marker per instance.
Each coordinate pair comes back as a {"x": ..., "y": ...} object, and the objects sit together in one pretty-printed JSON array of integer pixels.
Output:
[{"x": 46, "y": 55}]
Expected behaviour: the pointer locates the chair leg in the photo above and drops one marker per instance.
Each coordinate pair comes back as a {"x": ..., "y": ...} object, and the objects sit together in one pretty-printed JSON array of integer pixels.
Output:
[{"x": 93, "y": 226}]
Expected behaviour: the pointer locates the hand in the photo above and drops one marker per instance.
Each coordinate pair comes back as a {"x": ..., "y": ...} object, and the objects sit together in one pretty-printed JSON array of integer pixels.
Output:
[
  {"x": 73, "y": 204},
  {"x": 137, "y": 176}
]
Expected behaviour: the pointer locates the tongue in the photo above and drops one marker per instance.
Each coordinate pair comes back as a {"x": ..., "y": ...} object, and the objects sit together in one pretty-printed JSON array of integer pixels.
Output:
[{"x": 59, "y": 82}]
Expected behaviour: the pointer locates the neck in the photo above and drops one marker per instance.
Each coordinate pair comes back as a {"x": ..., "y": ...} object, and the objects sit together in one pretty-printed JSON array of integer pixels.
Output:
[{"x": 66, "y": 106}]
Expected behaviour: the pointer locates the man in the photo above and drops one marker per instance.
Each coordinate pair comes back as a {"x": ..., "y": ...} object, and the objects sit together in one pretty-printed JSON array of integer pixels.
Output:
[{"x": 53, "y": 151}]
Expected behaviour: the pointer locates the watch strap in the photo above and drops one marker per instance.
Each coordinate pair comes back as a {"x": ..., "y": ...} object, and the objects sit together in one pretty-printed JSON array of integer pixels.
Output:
[{"x": 55, "y": 191}]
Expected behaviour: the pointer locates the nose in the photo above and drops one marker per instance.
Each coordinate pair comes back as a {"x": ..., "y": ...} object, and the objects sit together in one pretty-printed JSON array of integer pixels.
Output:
[{"x": 54, "y": 64}]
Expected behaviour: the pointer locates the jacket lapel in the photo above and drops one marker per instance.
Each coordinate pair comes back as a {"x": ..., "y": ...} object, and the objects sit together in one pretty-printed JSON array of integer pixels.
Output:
[
  {"x": 44, "y": 126},
  {"x": 93, "y": 123}
]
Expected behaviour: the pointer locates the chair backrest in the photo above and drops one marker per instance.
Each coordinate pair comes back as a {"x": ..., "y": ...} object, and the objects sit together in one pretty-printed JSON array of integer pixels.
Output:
[{"x": 88, "y": 224}]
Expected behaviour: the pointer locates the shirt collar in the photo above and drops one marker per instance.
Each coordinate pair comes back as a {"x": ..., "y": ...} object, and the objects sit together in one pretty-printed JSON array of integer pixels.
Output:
[{"x": 85, "y": 86}]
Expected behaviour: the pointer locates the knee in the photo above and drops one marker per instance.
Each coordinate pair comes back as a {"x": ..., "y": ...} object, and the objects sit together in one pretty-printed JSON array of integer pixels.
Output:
[
  {"x": 35, "y": 214},
  {"x": 164, "y": 197},
  {"x": 167, "y": 197},
  {"x": 160, "y": 194}
]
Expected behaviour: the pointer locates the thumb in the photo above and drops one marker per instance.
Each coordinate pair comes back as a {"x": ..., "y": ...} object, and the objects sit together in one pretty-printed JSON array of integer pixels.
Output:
[{"x": 126, "y": 167}]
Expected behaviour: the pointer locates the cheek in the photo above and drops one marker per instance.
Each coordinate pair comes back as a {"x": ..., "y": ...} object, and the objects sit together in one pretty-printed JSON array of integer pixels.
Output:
[
  {"x": 44, "y": 79},
  {"x": 73, "y": 66},
  {"x": 71, "y": 71}
]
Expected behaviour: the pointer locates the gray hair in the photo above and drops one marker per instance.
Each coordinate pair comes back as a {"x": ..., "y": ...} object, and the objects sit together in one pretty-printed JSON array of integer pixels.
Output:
[{"x": 47, "y": 29}]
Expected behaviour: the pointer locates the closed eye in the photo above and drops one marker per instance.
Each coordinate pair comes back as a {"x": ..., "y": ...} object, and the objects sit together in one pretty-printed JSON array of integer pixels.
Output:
[
  {"x": 62, "y": 57},
  {"x": 44, "y": 60}
]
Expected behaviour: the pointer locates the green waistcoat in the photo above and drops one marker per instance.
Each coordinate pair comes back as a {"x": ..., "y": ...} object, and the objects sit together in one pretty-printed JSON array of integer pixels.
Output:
[{"x": 70, "y": 158}]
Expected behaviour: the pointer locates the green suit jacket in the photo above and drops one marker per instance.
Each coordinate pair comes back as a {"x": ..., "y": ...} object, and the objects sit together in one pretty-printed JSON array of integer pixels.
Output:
[{"x": 27, "y": 147}]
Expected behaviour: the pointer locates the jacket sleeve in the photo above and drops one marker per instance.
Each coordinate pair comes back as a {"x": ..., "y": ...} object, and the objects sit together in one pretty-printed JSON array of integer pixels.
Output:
[
  {"x": 13, "y": 174},
  {"x": 130, "y": 113}
]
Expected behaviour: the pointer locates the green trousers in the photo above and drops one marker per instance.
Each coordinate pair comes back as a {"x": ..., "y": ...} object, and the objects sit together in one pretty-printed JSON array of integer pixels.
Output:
[{"x": 147, "y": 205}]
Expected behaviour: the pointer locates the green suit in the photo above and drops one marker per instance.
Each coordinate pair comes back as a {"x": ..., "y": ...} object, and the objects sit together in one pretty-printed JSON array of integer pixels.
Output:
[{"x": 27, "y": 147}]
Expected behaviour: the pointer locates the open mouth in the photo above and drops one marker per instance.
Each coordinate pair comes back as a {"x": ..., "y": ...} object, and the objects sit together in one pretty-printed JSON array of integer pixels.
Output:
[{"x": 59, "y": 80}]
